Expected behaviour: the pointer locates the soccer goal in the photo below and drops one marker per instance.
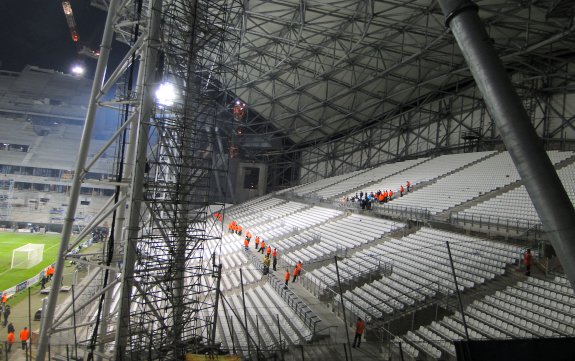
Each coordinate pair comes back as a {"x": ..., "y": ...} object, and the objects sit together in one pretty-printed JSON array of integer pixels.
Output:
[{"x": 27, "y": 256}]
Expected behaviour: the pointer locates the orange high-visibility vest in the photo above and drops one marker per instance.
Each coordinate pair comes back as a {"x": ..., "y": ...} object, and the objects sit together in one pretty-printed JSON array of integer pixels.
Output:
[
  {"x": 24, "y": 334},
  {"x": 359, "y": 327},
  {"x": 275, "y": 253}
]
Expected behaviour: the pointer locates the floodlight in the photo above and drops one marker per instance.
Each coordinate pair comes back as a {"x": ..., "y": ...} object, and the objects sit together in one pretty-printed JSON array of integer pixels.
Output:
[
  {"x": 78, "y": 70},
  {"x": 166, "y": 94}
]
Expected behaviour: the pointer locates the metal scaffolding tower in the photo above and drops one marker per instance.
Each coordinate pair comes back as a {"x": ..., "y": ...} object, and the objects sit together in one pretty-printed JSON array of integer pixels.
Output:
[{"x": 150, "y": 294}]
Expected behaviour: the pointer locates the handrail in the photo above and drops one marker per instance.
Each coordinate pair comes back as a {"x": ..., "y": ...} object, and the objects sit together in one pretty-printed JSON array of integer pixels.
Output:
[
  {"x": 521, "y": 226},
  {"x": 311, "y": 321}
]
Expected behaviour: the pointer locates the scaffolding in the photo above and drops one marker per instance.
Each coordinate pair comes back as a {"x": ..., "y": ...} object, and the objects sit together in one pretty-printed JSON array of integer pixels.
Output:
[
  {"x": 167, "y": 299},
  {"x": 6, "y": 194},
  {"x": 151, "y": 295}
]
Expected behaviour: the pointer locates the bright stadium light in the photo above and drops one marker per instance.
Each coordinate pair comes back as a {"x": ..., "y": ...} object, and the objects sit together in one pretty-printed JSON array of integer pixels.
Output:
[
  {"x": 78, "y": 70},
  {"x": 166, "y": 94}
]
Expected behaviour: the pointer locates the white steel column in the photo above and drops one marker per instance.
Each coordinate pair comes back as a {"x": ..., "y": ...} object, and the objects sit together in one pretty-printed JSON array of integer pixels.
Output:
[{"x": 79, "y": 174}]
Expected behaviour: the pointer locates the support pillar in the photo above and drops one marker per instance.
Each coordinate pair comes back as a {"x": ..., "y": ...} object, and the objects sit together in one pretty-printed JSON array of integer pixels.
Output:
[
  {"x": 536, "y": 170},
  {"x": 99, "y": 76}
]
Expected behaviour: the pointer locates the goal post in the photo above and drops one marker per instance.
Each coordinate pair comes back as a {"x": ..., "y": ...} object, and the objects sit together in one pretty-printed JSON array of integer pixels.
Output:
[{"x": 27, "y": 256}]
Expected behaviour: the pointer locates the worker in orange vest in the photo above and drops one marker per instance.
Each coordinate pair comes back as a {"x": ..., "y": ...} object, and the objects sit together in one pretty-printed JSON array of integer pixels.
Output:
[
  {"x": 232, "y": 226},
  {"x": 262, "y": 246},
  {"x": 4, "y": 299},
  {"x": 401, "y": 190},
  {"x": 380, "y": 198},
  {"x": 257, "y": 242},
  {"x": 527, "y": 261},
  {"x": 24, "y": 336},
  {"x": 359, "y": 328},
  {"x": 239, "y": 229},
  {"x": 249, "y": 235},
  {"x": 246, "y": 244},
  {"x": 296, "y": 271},
  {"x": 50, "y": 272},
  {"x": 385, "y": 196},
  {"x": 269, "y": 251},
  {"x": 275, "y": 257},
  {"x": 390, "y": 194},
  {"x": 10, "y": 340},
  {"x": 286, "y": 277},
  {"x": 408, "y": 186}
]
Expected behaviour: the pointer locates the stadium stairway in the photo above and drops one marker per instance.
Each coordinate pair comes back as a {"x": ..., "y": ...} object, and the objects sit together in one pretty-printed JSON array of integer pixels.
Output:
[{"x": 330, "y": 338}]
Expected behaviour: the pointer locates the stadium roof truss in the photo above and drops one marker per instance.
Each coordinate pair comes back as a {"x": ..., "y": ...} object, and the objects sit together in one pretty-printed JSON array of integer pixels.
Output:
[{"x": 320, "y": 71}]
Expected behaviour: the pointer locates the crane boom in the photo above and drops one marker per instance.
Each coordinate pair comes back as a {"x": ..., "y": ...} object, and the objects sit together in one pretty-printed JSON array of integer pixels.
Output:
[{"x": 69, "y": 13}]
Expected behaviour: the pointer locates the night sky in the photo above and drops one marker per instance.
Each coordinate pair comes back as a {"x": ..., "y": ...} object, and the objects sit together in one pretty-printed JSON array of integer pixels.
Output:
[{"x": 35, "y": 32}]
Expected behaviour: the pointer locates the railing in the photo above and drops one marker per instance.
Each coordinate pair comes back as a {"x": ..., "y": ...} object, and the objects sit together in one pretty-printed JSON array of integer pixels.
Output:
[
  {"x": 402, "y": 212},
  {"x": 339, "y": 252},
  {"x": 326, "y": 291},
  {"x": 297, "y": 304},
  {"x": 517, "y": 225}
]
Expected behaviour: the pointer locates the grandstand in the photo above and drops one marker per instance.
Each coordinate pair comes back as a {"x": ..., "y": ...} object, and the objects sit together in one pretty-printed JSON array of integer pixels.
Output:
[{"x": 290, "y": 119}]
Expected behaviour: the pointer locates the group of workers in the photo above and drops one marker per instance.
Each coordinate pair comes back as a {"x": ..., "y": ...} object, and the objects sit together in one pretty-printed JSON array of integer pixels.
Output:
[
  {"x": 234, "y": 227},
  {"x": 48, "y": 274},
  {"x": 24, "y": 334},
  {"x": 266, "y": 249},
  {"x": 382, "y": 196},
  {"x": 296, "y": 273},
  {"x": 24, "y": 337},
  {"x": 270, "y": 255},
  {"x": 366, "y": 199}
]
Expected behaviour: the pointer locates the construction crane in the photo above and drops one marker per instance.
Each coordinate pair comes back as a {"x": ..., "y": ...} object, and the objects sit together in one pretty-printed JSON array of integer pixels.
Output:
[
  {"x": 82, "y": 49},
  {"x": 69, "y": 13}
]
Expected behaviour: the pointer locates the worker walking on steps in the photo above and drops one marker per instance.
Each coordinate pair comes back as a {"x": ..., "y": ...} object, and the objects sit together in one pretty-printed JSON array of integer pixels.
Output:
[
  {"x": 262, "y": 247},
  {"x": 24, "y": 336},
  {"x": 10, "y": 341},
  {"x": 527, "y": 261},
  {"x": 266, "y": 265},
  {"x": 269, "y": 251},
  {"x": 257, "y": 242},
  {"x": 359, "y": 328},
  {"x": 296, "y": 271},
  {"x": 286, "y": 277},
  {"x": 275, "y": 257},
  {"x": 6, "y": 314},
  {"x": 246, "y": 244}
]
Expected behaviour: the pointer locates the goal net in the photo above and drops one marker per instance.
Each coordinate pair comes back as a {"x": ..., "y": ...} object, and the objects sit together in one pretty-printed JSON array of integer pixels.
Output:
[{"x": 27, "y": 256}]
